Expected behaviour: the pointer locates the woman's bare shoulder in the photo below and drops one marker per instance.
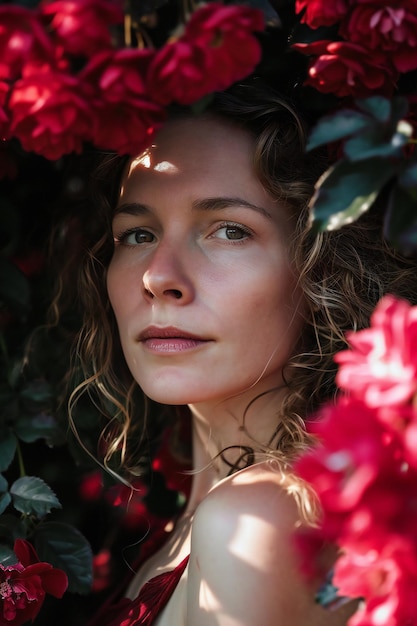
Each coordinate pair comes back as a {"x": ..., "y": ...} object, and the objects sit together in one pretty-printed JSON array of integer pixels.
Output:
[{"x": 243, "y": 558}]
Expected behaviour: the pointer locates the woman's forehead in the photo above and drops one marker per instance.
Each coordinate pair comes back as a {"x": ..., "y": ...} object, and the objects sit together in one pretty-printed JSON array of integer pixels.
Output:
[{"x": 188, "y": 142}]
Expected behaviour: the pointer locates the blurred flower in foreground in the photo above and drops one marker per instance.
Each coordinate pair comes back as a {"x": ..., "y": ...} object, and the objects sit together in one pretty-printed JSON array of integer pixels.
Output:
[
  {"x": 364, "y": 470},
  {"x": 381, "y": 366}
]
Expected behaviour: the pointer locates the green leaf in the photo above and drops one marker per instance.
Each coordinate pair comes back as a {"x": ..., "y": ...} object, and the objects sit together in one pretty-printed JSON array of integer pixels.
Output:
[
  {"x": 7, "y": 556},
  {"x": 374, "y": 143},
  {"x": 8, "y": 443},
  {"x": 14, "y": 287},
  {"x": 36, "y": 393},
  {"x": 408, "y": 177},
  {"x": 5, "y": 498},
  {"x": 401, "y": 219},
  {"x": 346, "y": 191},
  {"x": 334, "y": 127},
  {"x": 66, "y": 548},
  {"x": 376, "y": 106},
  {"x": 39, "y": 426},
  {"x": 32, "y": 496},
  {"x": 11, "y": 528}
]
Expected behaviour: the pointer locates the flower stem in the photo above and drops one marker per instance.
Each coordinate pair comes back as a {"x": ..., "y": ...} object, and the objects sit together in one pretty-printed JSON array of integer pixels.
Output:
[{"x": 22, "y": 469}]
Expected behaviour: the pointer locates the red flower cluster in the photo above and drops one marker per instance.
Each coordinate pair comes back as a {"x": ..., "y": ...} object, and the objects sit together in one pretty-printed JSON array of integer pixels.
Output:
[
  {"x": 116, "y": 97},
  {"x": 23, "y": 586},
  {"x": 365, "y": 470},
  {"x": 377, "y": 41}
]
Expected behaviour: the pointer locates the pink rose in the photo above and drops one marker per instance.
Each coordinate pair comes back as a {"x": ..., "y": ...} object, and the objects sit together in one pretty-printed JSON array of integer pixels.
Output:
[
  {"x": 347, "y": 69},
  {"x": 124, "y": 116},
  {"x": 22, "y": 39},
  {"x": 23, "y": 586},
  {"x": 381, "y": 366},
  {"x": 48, "y": 114},
  {"x": 355, "y": 452},
  {"x": 321, "y": 12},
  {"x": 386, "y": 579},
  {"x": 391, "y": 29},
  {"x": 82, "y": 27}
]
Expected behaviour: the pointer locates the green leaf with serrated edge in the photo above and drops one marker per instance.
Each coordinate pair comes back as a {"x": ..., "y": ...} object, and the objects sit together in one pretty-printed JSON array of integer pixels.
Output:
[
  {"x": 8, "y": 444},
  {"x": 66, "y": 548},
  {"x": 400, "y": 226},
  {"x": 32, "y": 496},
  {"x": 345, "y": 191},
  {"x": 7, "y": 556},
  {"x": 374, "y": 144},
  {"x": 11, "y": 528},
  {"x": 376, "y": 106},
  {"x": 338, "y": 126}
]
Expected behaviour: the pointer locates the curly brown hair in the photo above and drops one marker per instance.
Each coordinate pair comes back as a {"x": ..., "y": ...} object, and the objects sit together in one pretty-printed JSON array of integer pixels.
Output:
[{"x": 342, "y": 274}]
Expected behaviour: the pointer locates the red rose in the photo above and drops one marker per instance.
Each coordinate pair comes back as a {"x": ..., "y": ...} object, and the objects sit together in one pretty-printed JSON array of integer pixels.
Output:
[
  {"x": 82, "y": 27},
  {"x": 391, "y": 29},
  {"x": 124, "y": 116},
  {"x": 218, "y": 48},
  {"x": 321, "y": 12},
  {"x": 48, "y": 114},
  {"x": 22, "y": 39},
  {"x": 179, "y": 73},
  {"x": 347, "y": 69},
  {"x": 226, "y": 32},
  {"x": 23, "y": 585}
]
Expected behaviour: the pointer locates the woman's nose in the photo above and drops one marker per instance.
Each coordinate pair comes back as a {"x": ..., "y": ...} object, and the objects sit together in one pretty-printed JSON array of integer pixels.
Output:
[{"x": 168, "y": 276}]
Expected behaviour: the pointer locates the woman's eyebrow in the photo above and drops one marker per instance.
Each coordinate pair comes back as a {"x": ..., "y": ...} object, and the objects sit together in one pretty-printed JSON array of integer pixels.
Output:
[
  {"x": 216, "y": 204},
  {"x": 203, "y": 204},
  {"x": 132, "y": 208}
]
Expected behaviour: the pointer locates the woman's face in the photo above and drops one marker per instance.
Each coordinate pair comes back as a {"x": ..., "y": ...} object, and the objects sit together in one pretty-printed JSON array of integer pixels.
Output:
[{"x": 200, "y": 281}]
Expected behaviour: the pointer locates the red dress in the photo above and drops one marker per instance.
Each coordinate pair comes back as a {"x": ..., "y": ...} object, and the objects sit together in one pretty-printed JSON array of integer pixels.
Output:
[{"x": 145, "y": 608}]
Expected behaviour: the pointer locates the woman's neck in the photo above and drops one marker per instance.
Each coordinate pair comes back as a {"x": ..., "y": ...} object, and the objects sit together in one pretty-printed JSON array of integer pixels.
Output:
[{"x": 225, "y": 434}]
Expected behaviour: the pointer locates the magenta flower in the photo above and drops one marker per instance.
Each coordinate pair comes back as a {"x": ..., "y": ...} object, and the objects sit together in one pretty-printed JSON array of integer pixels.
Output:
[
  {"x": 23, "y": 586},
  {"x": 386, "y": 579},
  {"x": 381, "y": 366}
]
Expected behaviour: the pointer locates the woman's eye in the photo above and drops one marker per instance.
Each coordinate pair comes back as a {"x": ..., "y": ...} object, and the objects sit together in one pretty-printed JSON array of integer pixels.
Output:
[
  {"x": 232, "y": 232},
  {"x": 135, "y": 237}
]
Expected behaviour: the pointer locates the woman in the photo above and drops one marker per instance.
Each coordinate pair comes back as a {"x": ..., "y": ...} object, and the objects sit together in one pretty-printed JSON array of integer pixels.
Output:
[{"x": 205, "y": 288}]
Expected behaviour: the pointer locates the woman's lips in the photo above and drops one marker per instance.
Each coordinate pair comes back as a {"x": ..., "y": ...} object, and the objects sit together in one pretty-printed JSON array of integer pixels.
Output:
[{"x": 169, "y": 340}]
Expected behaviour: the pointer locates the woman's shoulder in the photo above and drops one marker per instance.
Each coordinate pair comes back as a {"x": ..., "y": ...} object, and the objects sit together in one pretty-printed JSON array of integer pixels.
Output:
[
  {"x": 262, "y": 488},
  {"x": 243, "y": 555}
]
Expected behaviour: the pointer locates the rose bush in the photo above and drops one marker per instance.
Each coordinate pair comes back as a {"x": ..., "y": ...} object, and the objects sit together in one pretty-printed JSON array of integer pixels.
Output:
[{"x": 23, "y": 585}]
